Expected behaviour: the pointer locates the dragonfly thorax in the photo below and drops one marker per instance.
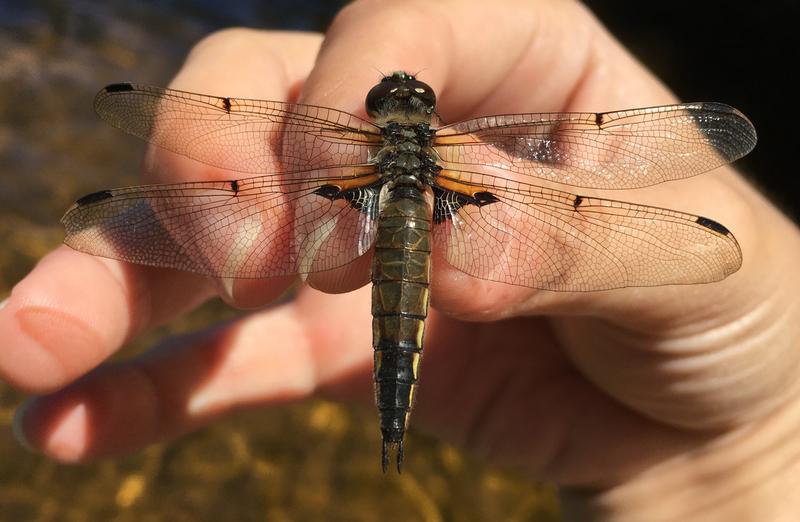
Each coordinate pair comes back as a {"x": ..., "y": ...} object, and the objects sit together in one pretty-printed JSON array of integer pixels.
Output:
[
  {"x": 404, "y": 132},
  {"x": 406, "y": 160},
  {"x": 407, "y": 153}
]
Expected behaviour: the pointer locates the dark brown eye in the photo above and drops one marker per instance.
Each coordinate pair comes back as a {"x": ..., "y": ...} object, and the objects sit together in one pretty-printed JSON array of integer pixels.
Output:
[
  {"x": 378, "y": 95},
  {"x": 401, "y": 93},
  {"x": 423, "y": 91}
]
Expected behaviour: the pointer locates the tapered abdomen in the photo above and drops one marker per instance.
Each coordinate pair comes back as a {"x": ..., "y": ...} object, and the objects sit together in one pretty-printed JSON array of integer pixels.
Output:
[{"x": 400, "y": 295}]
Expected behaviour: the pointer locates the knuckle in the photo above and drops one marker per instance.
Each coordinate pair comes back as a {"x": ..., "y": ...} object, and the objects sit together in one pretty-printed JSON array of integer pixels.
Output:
[{"x": 231, "y": 37}]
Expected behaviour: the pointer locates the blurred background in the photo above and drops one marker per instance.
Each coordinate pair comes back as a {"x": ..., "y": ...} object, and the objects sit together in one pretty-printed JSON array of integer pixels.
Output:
[{"x": 316, "y": 460}]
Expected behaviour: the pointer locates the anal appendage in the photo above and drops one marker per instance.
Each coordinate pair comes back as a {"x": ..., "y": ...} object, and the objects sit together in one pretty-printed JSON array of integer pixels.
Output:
[{"x": 389, "y": 447}]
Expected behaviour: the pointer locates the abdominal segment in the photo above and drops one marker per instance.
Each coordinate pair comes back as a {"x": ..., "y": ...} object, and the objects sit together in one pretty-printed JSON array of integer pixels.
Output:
[{"x": 400, "y": 296}]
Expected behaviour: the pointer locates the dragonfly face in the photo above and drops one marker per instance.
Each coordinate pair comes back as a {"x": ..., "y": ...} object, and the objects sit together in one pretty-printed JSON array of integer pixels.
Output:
[
  {"x": 317, "y": 188},
  {"x": 401, "y": 94}
]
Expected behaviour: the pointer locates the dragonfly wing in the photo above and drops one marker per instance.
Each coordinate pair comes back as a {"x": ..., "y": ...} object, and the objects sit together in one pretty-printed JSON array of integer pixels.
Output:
[
  {"x": 236, "y": 134},
  {"x": 257, "y": 227},
  {"x": 612, "y": 150},
  {"x": 548, "y": 239}
]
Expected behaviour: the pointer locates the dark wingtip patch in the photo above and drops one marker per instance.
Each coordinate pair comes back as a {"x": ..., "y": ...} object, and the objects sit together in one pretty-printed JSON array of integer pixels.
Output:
[
  {"x": 94, "y": 197},
  {"x": 226, "y": 104},
  {"x": 729, "y": 130},
  {"x": 712, "y": 225},
  {"x": 578, "y": 201},
  {"x": 119, "y": 87},
  {"x": 718, "y": 107},
  {"x": 235, "y": 186}
]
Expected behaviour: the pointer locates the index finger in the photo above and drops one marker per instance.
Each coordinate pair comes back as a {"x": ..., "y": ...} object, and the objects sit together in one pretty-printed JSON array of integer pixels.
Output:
[{"x": 74, "y": 310}]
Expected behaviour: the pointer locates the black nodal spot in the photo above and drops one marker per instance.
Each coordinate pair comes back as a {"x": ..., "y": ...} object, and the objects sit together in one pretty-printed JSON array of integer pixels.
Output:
[
  {"x": 484, "y": 198},
  {"x": 119, "y": 87},
  {"x": 598, "y": 119},
  {"x": 712, "y": 225},
  {"x": 235, "y": 186},
  {"x": 226, "y": 104},
  {"x": 94, "y": 197},
  {"x": 329, "y": 192},
  {"x": 578, "y": 201}
]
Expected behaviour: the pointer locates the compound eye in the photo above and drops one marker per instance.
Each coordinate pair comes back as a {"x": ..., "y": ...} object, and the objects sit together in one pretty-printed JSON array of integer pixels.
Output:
[
  {"x": 377, "y": 96},
  {"x": 423, "y": 91}
]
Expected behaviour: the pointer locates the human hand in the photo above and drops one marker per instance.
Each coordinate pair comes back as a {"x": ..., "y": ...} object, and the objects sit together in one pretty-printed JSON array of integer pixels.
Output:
[{"x": 613, "y": 391}]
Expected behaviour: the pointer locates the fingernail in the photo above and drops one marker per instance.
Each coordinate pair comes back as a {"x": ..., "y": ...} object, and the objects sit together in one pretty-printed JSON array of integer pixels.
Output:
[
  {"x": 68, "y": 441},
  {"x": 3, "y": 303},
  {"x": 16, "y": 424}
]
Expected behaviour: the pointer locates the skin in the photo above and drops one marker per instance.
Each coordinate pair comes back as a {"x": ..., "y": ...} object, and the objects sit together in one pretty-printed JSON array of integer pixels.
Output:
[{"x": 684, "y": 394}]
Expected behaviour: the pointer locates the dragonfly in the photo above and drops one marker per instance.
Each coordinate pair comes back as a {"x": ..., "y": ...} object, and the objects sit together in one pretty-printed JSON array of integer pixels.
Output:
[{"x": 313, "y": 190}]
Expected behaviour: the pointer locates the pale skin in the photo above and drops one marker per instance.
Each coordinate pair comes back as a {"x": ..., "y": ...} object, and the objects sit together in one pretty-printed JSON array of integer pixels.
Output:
[{"x": 667, "y": 403}]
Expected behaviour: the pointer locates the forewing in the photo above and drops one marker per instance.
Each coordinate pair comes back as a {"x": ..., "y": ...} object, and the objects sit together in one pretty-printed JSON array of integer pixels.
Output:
[
  {"x": 552, "y": 240},
  {"x": 612, "y": 150},
  {"x": 255, "y": 227},
  {"x": 242, "y": 135}
]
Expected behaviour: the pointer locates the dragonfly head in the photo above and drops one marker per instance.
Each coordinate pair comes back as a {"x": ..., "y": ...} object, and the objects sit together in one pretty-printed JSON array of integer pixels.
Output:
[{"x": 401, "y": 94}]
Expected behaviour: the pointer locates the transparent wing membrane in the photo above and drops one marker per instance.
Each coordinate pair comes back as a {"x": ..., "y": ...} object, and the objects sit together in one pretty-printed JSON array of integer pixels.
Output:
[
  {"x": 309, "y": 200},
  {"x": 251, "y": 228},
  {"x": 552, "y": 240},
  {"x": 241, "y": 135},
  {"x": 612, "y": 150}
]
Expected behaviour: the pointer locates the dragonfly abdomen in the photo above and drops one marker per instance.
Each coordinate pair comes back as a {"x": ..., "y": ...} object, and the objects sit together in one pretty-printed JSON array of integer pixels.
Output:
[{"x": 400, "y": 296}]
